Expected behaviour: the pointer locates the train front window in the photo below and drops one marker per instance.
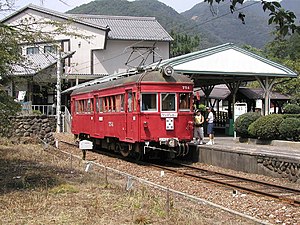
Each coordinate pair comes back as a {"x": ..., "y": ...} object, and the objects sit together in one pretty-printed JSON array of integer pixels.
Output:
[
  {"x": 168, "y": 102},
  {"x": 149, "y": 102},
  {"x": 184, "y": 101}
]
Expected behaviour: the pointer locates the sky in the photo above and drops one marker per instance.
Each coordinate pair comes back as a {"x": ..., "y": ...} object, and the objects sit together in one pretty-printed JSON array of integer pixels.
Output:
[{"x": 58, "y": 5}]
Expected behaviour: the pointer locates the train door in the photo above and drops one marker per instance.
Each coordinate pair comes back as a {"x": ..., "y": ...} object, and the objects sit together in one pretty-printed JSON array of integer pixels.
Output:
[
  {"x": 129, "y": 115},
  {"x": 96, "y": 115}
]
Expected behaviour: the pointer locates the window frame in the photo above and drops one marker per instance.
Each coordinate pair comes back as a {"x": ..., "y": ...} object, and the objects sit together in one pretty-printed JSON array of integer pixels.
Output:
[
  {"x": 189, "y": 102},
  {"x": 161, "y": 101},
  {"x": 33, "y": 48},
  {"x": 141, "y": 102}
]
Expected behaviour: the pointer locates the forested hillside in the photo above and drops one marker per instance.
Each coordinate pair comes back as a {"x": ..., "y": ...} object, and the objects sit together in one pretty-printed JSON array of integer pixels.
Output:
[
  {"x": 167, "y": 16},
  {"x": 229, "y": 28},
  {"x": 214, "y": 25}
]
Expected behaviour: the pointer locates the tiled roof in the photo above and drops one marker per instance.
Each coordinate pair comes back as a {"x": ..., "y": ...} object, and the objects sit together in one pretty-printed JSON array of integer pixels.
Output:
[
  {"x": 258, "y": 93},
  {"x": 120, "y": 27},
  {"x": 34, "y": 63},
  {"x": 51, "y": 13},
  {"x": 128, "y": 28}
]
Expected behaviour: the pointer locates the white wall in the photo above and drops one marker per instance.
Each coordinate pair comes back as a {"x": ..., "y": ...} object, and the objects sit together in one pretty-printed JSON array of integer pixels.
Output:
[
  {"x": 117, "y": 52},
  {"x": 106, "y": 59}
]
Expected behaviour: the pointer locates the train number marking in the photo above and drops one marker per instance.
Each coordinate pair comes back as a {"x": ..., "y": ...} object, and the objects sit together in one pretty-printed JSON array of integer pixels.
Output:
[{"x": 185, "y": 87}]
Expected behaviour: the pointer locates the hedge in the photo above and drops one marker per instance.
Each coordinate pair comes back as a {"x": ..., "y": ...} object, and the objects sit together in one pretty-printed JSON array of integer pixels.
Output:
[
  {"x": 291, "y": 109},
  {"x": 289, "y": 129},
  {"x": 243, "y": 121},
  {"x": 266, "y": 127}
]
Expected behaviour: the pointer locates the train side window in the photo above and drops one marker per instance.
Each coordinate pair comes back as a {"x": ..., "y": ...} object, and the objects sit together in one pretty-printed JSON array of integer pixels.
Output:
[
  {"x": 80, "y": 106},
  {"x": 134, "y": 102},
  {"x": 149, "y": 102},
  {"x": 129, "y": 101},
  {"x": 184, "y": 101},
  {"x": 118, "y": 103},
  {"x": 168, "y": 102},
  {"x": 89, "y": 105},
  {"x": 113, "y": 103},
  {"x": 76, "y": 106},
  {"x": 122, "y": 103},
  {"x": 97, "y": 105}
]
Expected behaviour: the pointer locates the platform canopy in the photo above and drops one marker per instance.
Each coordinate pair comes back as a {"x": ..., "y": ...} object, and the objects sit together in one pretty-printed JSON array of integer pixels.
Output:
[
  {"x": 225, "y": 62},
  {"x": 230, "y": 65}
]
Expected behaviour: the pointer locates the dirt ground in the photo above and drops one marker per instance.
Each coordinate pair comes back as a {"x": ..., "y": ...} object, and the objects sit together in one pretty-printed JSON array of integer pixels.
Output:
[{"x": 39, "y": 187}]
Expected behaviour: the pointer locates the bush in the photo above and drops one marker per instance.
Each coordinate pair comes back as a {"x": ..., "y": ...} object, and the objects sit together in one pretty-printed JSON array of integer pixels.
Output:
[
  {"x": 266, "y": 127},
  {"x": 289, "y": 129},
  {"x": 202, "y": 108},
  {"x": 291, "y": 109},
  {"x": 242, "y": 123},
  {"x": 36, "y": 112}
]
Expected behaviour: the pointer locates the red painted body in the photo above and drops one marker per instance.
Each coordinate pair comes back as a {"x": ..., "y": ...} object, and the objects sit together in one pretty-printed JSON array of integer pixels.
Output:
[{"x": 108, "y": 118}]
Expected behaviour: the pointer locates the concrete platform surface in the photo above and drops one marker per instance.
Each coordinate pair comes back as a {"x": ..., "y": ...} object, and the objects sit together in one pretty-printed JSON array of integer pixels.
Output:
[{"x": 277, "y": 159}]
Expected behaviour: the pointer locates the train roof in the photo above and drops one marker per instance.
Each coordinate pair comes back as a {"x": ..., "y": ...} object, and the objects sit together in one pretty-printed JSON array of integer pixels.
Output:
[{"x": 147, "y": 77}]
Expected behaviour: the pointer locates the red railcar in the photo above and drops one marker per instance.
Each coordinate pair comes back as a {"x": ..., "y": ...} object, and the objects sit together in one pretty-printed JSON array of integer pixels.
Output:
[{"x": 140, "y": 114}]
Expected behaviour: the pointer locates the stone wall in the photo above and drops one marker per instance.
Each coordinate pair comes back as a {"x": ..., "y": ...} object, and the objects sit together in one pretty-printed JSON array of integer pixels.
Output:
[
  {"x": 35, "y": 126},
  {"x": 283, "y": 168}
]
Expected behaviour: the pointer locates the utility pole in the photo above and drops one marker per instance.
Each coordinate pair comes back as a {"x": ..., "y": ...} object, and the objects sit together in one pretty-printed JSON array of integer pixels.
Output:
[{"x": 58, "y": 91}]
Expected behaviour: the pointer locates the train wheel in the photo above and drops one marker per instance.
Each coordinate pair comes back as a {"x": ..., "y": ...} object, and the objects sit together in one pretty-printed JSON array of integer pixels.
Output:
[
  {"x": 183, "y": 149},
  {"x": 137, "y": 153},
  {"x": 124, "y": 151},
  {"x": 187, "y": 149},
  {"x": 178, "y": 150}
]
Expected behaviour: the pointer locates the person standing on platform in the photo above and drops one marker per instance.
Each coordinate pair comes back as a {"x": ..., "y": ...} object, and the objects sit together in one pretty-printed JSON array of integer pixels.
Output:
[
  {"x": 210, "y": 126},
  {"x": 198, "y": 129}
]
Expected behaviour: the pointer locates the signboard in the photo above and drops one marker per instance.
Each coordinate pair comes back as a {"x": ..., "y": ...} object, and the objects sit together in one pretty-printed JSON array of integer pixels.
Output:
[
  {"x": 21, "y": 96},
  {"x": 85, "y": 145},
  {"x": 258, "y": 104},
  {"x": 168, "y": 115},
  {"x": 239, "y": 109}
]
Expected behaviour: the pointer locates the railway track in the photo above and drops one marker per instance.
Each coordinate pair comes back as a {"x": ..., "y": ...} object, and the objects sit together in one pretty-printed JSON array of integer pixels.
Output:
[
  {"x": 286, "y": 194},
  {"x": 282, "y": 193}
]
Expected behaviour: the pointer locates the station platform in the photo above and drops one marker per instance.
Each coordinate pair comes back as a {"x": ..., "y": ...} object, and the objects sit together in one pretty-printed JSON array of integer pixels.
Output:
[{"x": 275, "y": 158}]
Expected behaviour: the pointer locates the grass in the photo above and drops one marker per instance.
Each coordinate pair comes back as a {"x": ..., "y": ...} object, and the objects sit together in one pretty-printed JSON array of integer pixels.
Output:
[{"x": 40, "y": 188}]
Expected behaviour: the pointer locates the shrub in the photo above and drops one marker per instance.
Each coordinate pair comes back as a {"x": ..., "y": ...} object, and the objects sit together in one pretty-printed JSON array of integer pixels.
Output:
[
  {"x": 266, "y": 127},
  {"x": 289, "y": 129},
  {"x": 36, "y": 112},
  {"x": 202, "y": 108},
  {"x": 291, "y": 109},
  {"x": 242, "y": 123}
]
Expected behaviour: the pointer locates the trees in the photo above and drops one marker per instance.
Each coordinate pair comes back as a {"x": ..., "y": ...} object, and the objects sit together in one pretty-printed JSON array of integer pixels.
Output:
[
  {"x": 283, "y": 19},
  {"x": 183, "y": 43},
  {"x": 287, "y": 52}
]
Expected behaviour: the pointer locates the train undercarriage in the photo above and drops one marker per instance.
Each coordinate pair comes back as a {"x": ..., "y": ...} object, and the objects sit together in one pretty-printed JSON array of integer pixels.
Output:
[{"x": 166, "y": 149}]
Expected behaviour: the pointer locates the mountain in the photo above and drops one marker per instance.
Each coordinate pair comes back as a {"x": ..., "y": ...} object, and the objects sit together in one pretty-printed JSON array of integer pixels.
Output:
[
  {"x": 166, "y": 16},
  {"x": 229, "y": 28},
  {"x": 213, "y": 28}
]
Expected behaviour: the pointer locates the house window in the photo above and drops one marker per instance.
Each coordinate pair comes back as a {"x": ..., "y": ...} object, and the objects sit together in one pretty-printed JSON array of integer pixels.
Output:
[
  {"x": 50, "y": 49},
  {"x": 32, "y": 50}
]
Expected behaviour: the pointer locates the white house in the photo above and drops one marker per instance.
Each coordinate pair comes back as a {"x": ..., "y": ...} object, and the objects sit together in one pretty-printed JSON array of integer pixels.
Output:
[{"x": 102, "y": 45}]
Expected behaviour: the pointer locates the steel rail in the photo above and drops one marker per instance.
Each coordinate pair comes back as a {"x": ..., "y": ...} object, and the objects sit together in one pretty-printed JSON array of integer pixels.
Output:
[
  {"x": 239, "y": 179},
  {"x": 208, "y": 172}
]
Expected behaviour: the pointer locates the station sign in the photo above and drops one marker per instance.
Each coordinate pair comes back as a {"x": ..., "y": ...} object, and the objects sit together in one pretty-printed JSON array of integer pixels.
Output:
[
  {"x": 85, "y": 145},
  {"x": 239, "y": 109}
]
